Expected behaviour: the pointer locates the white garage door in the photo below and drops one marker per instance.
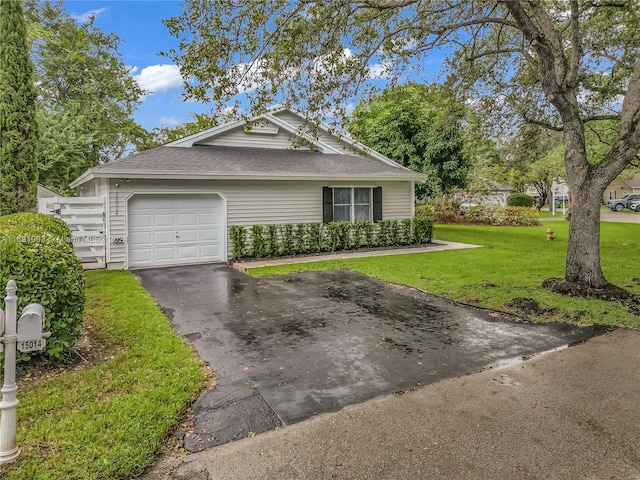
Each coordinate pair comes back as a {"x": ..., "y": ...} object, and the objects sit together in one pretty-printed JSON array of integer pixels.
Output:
[{"x": 174, "y": 230}]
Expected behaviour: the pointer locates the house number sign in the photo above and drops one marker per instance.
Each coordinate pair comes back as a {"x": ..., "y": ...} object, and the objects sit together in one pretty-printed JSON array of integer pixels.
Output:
[{"x": 24, "y": 334}]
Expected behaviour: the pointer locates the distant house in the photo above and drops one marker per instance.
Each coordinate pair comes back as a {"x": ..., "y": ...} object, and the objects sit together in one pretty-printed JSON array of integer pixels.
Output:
[{"x": 619, "y": 188}]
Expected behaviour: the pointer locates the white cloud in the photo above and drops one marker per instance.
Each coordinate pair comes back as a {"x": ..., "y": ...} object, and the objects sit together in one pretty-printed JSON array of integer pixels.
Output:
[
  {"x": 380, "y": 71},
  {"x": 171, "y": 121},
  {"x": 86, "y": 16},
  {"x": 158, "y": 78}
]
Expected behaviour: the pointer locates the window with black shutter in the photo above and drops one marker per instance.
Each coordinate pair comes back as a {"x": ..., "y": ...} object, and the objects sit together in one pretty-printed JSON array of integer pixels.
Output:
[{"x": 351, "y": 204}]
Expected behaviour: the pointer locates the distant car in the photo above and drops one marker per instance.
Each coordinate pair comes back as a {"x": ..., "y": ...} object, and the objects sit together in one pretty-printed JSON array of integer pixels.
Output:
[
  {"x": 620, "y": 204},
  {"x": 634, "y": 206}
]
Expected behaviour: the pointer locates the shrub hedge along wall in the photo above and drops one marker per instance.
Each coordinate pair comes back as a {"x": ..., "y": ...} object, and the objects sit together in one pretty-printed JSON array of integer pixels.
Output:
[
  {"x": 260, "y": 241},
  {"x": 520, "y": 200},
  {"x": 484, "y": 214},
  {"x": 36, "y": 251}
]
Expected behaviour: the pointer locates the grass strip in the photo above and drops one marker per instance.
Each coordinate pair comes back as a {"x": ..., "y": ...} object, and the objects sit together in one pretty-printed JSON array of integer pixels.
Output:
[{"x": 109, "y": 421}]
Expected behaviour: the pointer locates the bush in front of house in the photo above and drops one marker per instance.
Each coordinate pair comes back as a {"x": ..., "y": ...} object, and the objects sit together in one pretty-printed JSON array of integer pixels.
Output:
[
  {"x": 289, "y": 239},
  {"x": 520, "y": 200},
  {"x": 498, "y": 215},
  {"x": 37, "y": 252}
]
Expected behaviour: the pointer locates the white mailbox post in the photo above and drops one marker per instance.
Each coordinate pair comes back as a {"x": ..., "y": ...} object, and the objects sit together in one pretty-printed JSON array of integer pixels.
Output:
[{"x": 28, "y": 338}]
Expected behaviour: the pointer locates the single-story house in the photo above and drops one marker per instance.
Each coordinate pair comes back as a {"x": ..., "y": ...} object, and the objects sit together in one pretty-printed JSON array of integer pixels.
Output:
[
  {"x": 173, "y": 204},
  {"x": 496, "y": 194},
  {"x": 619, "y": 188}
]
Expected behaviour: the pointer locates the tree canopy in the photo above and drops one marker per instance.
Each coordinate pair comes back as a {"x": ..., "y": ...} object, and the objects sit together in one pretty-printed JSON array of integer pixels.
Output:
[
  {"x": 420, "y": 127},
  {"x": 18, "y": 124},
  {"x": 561, "y": 64},
  {"x": 87, "y": 96}
]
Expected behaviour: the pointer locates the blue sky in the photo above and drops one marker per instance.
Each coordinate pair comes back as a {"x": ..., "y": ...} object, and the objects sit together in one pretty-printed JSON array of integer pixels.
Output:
[{"x": 139, "y": 25}]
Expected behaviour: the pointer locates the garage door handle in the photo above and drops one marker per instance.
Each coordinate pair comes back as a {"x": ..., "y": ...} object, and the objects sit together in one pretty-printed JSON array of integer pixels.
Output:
[{"x": 177, "y": 236}]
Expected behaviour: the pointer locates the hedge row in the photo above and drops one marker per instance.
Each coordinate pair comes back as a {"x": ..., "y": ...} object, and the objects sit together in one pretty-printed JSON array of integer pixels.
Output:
[
  {"x": 487, "y": 214},
  {"x": 261, "y": 241},
  {"x": 495, "y": 215},
  {"x": 36, "y": 251}
]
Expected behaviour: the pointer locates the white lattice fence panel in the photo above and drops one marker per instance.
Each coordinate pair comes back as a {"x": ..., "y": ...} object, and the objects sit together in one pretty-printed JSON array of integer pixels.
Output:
[{"x": 85, "y": 217}]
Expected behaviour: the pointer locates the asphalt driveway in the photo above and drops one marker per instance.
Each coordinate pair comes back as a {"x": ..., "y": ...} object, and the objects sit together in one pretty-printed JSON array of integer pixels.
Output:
[{"x": 286, "y": 348}]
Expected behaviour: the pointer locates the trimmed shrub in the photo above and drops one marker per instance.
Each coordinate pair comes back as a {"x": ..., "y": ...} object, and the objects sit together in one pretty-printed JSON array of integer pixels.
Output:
[
  {"x": 497, "y": 215},
  {"x": 302, "y": 238},
  {"x": 273, "y": 242},
  {"x": 406, "y": 232},
  {"x": 520, "y": 200},
  {"x": 344, "y": 236},
  {"x": 36, "y": 251},
  {"x": 258, "y": 242},
  {"x": 422, "y": 230},
  {"x": 299, "y": 236},
  {"x": 369, "y": 233},
  {"x": 384, "y": 233},
  {"x": 426, "y": 211},
  {"x": 357, "y": 234},
  {"x": 332, "y": 236},
  {"x": 394, "y": 233},
  {"x": 286, "y": 239},
  {"x": 314, "y": 236},
  {"x": 238, "y": 236}
]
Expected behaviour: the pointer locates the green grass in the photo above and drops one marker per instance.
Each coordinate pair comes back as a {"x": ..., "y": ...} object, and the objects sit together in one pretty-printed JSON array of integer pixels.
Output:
[
  {"x": 109, "y": 421},
  {"x": 547, "y": 214},
  {"x": 513, "y": 259}
]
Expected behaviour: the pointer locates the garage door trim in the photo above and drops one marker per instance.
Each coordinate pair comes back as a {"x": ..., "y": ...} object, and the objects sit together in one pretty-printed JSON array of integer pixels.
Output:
[{"x": 223, "y": 216}]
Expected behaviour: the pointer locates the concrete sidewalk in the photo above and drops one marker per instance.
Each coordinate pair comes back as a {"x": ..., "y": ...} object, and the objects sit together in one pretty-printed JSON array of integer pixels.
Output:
[{"x": 567, "y": 414}]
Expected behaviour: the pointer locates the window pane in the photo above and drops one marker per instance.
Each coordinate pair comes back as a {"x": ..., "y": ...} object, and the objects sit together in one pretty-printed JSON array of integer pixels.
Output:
[
  {"x": 362, "y": 212},
  {"x": 363, "y": 195},
  {"x": 341, "y": 196},
  {"x": 342, "y": 213}
]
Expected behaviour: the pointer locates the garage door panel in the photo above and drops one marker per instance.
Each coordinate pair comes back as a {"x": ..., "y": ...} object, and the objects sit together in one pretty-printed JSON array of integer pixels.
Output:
[
  {"x": 188, "y": 236},
  {"x": 164, "y": 237},
  {"x": 210, "y": 218},
  {"x": 164, "y": 219},
  {"x": 137, "y": 238},
  {"x": 141, "y": 220},
  {"x": 189, "y": 252},
  {"x": 209, "y": 234},
  {"x": 175, "y": 229},
  {"x": 210, "y": 251},
  {"x": 188, "y": 219},
  {"x": 140, "y": 255}
]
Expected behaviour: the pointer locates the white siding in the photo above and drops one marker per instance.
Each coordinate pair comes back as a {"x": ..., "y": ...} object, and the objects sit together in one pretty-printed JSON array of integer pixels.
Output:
[
  {"x": 331, "y": 140},
  {"x": 238, "y": 137},
  {"x": 89, "y": 189},
  {"x": 248, "y": 203}
]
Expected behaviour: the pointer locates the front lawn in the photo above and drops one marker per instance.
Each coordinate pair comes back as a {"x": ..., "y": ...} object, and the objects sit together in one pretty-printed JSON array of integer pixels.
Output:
[
  {"x": 512, "y": 263},
  {"x": 108, "y": 421}
]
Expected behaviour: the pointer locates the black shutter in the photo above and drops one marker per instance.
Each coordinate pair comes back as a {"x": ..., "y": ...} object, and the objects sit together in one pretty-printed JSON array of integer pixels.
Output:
[
  {"x": 377, "y": 204},
  {"x": 327, "y": 204}
]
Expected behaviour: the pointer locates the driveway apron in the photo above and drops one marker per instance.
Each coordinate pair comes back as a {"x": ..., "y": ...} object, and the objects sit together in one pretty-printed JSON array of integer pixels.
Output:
[{"x": 285, "y": 348}]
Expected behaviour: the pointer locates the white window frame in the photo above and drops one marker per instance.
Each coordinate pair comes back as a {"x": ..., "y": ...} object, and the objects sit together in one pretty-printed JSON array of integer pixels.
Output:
[{"x": 352, "y": 204}]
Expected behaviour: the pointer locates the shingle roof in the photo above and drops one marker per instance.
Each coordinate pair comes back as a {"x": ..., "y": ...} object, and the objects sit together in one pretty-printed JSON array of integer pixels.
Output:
[
  {"x": 635, "y": 181},
  {"x": 214, "y": 160}
]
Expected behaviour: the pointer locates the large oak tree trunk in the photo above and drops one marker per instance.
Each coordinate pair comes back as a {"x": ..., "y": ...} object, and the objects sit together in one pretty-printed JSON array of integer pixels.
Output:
[{"x": 583, "y": 246}]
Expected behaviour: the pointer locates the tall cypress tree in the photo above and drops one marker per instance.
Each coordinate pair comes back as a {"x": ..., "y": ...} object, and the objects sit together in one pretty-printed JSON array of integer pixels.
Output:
[{"x": 18, "y": 123}]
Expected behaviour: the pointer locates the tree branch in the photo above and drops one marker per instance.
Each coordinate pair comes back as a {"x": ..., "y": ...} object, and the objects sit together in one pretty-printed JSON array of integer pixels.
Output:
[
  {"x": 576, "y": 47},
  {"x": 387, "y": 4},
  {"x": 543, "y": 124}
]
